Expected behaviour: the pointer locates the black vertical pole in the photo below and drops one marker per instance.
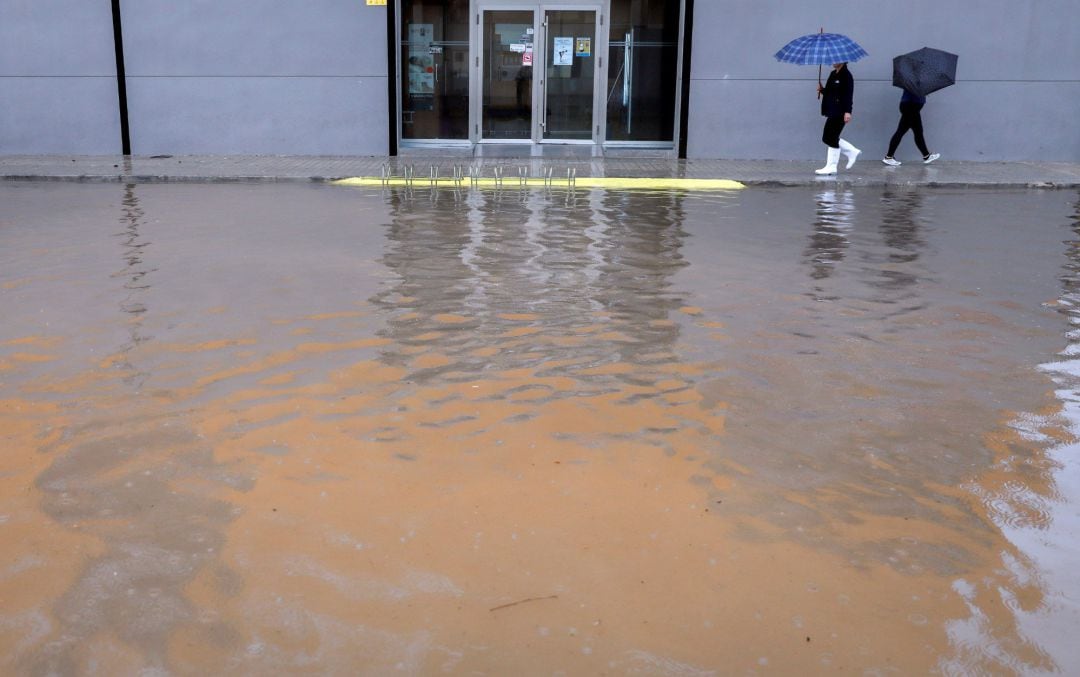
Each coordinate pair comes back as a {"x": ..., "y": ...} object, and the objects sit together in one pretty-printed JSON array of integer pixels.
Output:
[
  {"x": 684, "y": 109},
  {"x": 391, "y": 73},
  {"x": 121, "y": 78}
]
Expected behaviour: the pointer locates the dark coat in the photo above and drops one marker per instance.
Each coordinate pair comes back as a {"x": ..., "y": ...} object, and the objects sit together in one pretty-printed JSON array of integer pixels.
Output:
[{"x": 838, "y": 95}]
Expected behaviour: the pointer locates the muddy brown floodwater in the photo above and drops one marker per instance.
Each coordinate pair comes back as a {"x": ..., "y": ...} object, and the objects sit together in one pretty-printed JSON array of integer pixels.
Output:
[{"x": 303, "y": 429}]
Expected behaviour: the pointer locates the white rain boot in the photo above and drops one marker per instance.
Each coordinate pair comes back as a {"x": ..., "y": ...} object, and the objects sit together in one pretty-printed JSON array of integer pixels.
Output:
[
  {"x": 830, "y": 162},
  {"x": 850, "y": 151}
]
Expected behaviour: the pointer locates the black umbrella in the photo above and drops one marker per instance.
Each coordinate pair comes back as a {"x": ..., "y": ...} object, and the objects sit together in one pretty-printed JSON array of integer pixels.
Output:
[{"x": 924, "y": 70}]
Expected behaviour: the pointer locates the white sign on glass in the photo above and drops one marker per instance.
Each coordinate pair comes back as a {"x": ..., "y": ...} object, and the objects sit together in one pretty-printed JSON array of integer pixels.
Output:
[{"x": 563, "y": 53}]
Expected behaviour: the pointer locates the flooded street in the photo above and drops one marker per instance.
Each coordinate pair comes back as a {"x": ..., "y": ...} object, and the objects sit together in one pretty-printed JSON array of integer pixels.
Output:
[{"x": 305, "y": 429}]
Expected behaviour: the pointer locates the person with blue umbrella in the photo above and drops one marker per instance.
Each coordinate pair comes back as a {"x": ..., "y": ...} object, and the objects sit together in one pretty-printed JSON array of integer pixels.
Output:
[
  {"x": 837, "y": 99},
  {"x": 837, "y": 94}
]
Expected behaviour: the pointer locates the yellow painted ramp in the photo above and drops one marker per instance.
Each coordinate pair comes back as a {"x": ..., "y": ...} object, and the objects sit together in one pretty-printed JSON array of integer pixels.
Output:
[{"x": 585, "y": 182}]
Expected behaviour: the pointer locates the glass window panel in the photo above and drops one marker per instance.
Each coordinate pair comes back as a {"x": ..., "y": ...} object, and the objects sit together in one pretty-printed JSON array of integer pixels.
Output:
[
  {"x": 435, "y": 69},
  {"x": 643, "y": 54}
]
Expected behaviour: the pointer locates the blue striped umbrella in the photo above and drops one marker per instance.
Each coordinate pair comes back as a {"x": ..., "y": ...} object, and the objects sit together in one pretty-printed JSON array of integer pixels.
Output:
[{"x": 820, "y": 48}]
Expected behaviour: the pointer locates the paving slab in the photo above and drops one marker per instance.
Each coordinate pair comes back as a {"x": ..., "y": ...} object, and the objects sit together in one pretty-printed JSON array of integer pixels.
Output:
[{"x": 868, "y": 172}]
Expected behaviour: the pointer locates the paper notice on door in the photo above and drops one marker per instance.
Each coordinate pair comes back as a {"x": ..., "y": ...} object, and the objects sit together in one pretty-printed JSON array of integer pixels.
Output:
[
  {"x": 421, "y": 67},
  {"x": 517, "y": 47},
  {"x": 526, "y": 56},
  {"x": 563, "y": 52},
  {"x": 583, "y": 47}
]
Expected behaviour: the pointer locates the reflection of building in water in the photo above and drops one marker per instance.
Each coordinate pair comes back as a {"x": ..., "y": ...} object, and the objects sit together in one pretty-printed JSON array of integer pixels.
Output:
[
  {"x": 829, "y": 239},
  {"x": 648, "y": 231},
  {"x": 510, "y": 280},
  {"x": 424, "y": 252},
  {"x": 133, "y": 246}
]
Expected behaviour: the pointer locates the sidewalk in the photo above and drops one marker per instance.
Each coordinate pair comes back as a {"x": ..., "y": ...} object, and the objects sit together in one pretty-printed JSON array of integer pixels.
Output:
[{"x": 211, "y": 168}]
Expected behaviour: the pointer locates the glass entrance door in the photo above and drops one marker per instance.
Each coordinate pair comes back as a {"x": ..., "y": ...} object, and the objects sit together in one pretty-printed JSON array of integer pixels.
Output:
[
  {"x": 537, "y": 73},
  {"x": 569, "y": 85},
  {"x": 506, "y": 65}
]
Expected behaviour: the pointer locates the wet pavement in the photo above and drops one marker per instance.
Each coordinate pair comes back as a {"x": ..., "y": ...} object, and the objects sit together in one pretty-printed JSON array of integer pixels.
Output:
[
  {"x": 869, "y": 171},
  {"x": 301, "y": 428}
]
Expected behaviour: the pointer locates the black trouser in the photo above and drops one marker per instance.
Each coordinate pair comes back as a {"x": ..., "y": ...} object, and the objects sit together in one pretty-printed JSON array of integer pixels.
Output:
[
  {"x": 910, "y": 118},
  {"x": 831, "y": 134}
]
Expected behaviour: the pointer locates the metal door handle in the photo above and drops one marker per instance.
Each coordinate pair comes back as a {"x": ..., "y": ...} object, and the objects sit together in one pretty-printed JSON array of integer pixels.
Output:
[
  {"x": 543, "y": 80},
  {"x": 543, "y": 103}
]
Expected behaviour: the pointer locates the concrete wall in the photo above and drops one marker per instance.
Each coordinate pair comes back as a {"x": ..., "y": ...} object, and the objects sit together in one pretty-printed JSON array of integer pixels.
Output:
[
  {"x": 1018, "y": 95},
  {"x": 57, "y": 78},
  {"x": 303, "y": 77},
  {"x": 267, "y": 77}
]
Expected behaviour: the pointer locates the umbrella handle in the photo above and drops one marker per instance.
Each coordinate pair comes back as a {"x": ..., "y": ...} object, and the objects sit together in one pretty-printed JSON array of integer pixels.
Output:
[{"x": 821, "y": 30}]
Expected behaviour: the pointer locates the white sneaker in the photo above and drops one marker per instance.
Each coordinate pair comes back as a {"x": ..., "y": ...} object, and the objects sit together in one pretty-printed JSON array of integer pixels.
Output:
[
  {"x": 930, "y": 158},
  {"x": 891, "y": 162}
]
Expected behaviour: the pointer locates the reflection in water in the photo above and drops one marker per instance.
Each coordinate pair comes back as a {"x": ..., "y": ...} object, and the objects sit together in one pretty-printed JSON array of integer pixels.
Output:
[
  {"x": 839, "y": 455},
  {"x": 829, "y": 239},
  {"x": 139, "y": 478},
  {"x": 134, "y": 247},
  {"x": 1031, "y": 496},
  {"x": 523, "y": 282},
  {"x": 513, "y": 431},
  {"x": 897, "y": 268},
  {"x": 556, "y": 299},
  {"x": 902, "y": 222}
]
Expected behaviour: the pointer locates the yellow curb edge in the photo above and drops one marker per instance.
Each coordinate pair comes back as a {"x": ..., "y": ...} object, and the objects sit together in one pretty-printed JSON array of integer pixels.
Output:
[{"x": 604, "y": 182}]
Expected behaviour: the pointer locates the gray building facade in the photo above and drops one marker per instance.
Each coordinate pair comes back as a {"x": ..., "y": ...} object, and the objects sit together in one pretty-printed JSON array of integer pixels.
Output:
[{"x": 696, "y": 77}]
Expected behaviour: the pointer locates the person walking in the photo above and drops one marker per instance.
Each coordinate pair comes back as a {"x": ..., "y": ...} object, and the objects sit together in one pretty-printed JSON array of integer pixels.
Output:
[
  {"x": 836, "y": 102},
  {"x": 910, "y": 118}
]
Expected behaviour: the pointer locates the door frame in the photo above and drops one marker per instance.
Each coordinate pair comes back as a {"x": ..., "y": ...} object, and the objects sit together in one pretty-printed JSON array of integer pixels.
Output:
[
  {"x": 477, "y": 60},
  {"x": 540, "y": 39},
  {"x": 599, "y": 108},
  {"x": 602, "y": 47}
]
